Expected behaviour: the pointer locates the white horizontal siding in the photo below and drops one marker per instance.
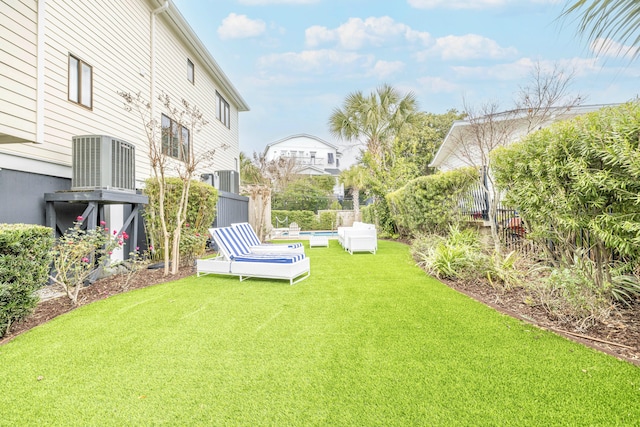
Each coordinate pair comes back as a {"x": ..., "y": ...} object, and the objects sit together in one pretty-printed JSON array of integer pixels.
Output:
[
  {"x": 114, "y": 38},
  {"x": 18, "y": 47},
  {"x": 171, "y": 68}
]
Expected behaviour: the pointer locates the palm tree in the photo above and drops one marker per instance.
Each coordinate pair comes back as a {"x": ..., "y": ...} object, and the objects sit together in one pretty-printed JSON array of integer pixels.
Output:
[
  {"x": 609, "y": 20},
  {"x": 374, "y": 120},
  {"x": 355, "y": 178}
]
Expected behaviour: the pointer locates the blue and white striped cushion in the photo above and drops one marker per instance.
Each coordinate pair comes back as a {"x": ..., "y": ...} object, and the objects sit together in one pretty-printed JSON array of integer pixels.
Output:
[
  {"x": 231, "y": 241},
  {"x": 246, "y": 232},
  {"x": 270, "y": 258},
  {"x": 239, "y": 252}
]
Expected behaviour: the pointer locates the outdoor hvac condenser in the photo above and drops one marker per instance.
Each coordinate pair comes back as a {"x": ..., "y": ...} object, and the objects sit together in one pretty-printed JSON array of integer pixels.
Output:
[{"x": 102, "y": 162}]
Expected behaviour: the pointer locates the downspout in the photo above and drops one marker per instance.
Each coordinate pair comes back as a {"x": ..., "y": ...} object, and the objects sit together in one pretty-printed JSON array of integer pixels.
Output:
[
  {"x": 40, "y": 65},
  {"x": 152, "y": 67}
]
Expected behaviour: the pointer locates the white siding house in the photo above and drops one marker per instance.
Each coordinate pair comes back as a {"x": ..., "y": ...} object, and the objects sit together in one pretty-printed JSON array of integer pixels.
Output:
[
  {"x": 313, "y": 155},
  {"x": 459, "y": 149},
  {"x": 63, "y": 64}
]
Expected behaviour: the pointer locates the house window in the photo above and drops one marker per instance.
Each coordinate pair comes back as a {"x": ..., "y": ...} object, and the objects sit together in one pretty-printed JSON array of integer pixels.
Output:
[
  {"x": 313, "y": 157},
  {"x": 190, "y": 71},
  {"x": 330, "y": 158},
  {"x": 224, "y": 114},
  {"x": 80, "y": 82},
  {"x": 175, "y": 139}
]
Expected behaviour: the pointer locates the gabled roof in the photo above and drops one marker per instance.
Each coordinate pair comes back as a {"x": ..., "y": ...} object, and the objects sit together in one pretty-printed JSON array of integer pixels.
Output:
[
  {"x": 451, "y": 141},
  {"x": 303, "y": 135},
  {"x": 312, "y": 170},
  {"x": 184, "y": 30}
]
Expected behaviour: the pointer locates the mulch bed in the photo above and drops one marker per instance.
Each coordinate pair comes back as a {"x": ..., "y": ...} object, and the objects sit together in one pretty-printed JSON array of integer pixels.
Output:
[
  {"x": 620, "y": 336},
  {"x": 101, "y": 289}
]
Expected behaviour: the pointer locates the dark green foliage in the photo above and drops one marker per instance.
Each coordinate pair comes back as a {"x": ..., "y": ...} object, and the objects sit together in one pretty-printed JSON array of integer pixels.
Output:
[
  {"x": 577, "y": 184},
  {"x": 307, "y": 220},
  {"x": 25, "y": 259},
  {"x": 308, "y": 193},
  {"x": 201, "y": 211},
  {"x": 428, "y": 204},
  {"x": 327, "y": 220}
]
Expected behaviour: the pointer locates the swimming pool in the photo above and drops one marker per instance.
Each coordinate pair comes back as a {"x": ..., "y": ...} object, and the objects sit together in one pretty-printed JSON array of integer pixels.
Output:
[{"x": 306, "y": 234}]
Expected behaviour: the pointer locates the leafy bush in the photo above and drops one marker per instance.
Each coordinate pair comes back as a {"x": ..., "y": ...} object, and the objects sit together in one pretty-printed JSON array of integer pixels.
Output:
[
  {"x": 201, "y": 211},
  {"x": 505, "y": 271},
  {"x": 79, "y": 255},
  {"x": 429, "y": 204},
  {"x": 309, "y": 193},
  {"x": 576, "y": 184},
  {"x": 457, "y": 256},
  {"x": 327, "y": 221},
  {"x": 305, "y": 219},
  {"x": 378, "y": 213},
  {"x": 570, "y": 295},
  {"x": 24, "y": 267}
]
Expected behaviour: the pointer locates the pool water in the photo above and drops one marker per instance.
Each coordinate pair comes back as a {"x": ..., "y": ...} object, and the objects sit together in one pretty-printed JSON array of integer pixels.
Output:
[{"x": 315, "y": 233}]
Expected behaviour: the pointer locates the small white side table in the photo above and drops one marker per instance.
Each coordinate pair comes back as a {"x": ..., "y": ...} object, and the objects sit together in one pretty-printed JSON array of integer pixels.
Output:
[{"x": 318, "y": 241}]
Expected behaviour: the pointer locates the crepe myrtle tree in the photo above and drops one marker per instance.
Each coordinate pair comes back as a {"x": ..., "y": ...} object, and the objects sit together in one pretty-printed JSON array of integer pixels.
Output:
[
  {"x": 188, "y": 117},
  {"x": 489, "y": 126}
]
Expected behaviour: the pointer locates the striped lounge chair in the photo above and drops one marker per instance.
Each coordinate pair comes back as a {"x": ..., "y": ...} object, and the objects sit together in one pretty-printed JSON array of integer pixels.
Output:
[
  {"x": 237, "y": 260},
  {"x": 250, "y": 238}
]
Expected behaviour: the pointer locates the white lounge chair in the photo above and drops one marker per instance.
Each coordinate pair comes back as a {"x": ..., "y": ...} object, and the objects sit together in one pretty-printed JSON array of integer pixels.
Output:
[
  {"x": 250, "y": 238},
  {"x": 235, "y": 259}
]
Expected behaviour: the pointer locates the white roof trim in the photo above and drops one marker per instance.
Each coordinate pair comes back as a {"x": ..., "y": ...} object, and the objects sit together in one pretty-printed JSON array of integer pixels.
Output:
[
  {"x": 304, "y": 135},
  {"x": 449, "y": 144}
]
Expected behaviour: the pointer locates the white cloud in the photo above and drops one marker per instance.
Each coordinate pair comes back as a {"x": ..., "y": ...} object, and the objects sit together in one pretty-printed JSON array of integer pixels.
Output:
[
  {"x": 315, "y": 61},
  {"x": 613, "y": 49},
  {"x": 471, "y": 4},
  {"x": 383, "y": 69},
  {"x": 521, "y": 69},
  {"x": 357, "y": 33},
  {"x": 470, "y": 46},
  {"x": 437, "y": 85},
  {"x": 240, "y": 27}
]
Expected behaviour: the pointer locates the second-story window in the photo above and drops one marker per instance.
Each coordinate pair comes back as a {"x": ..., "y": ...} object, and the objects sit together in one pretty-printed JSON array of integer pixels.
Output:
[
  {"x": 313, "y": 157},
  {"x": 330, "y": 158},
  {"x": 80, "y": 82},
  {"x": 223, "y": 113},
  {"x": 175, "y": 139},
  {"x": 190, "y": 71}
]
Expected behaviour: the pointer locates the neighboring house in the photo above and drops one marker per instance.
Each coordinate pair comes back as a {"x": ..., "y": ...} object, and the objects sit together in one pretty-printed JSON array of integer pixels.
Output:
[
  {"x": 63, "y": 63},
  {"x": 313, "y": 155},
  {"x": 460, "y": 149}
]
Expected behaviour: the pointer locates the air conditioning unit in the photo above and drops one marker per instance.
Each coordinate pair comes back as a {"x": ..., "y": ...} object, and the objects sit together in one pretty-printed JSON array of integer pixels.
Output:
[
  {"x": 102, "y": 162},
  {"x": 229, "y": 181},
  {"x": 213, "y": 179}
]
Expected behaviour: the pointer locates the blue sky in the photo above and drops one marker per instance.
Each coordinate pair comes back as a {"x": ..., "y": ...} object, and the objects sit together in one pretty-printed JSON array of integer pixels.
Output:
[{"x": 294, "y": 61}]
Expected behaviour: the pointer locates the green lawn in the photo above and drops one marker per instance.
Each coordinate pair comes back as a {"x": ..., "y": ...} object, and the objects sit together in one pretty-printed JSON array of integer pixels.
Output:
[{"x": 366, "y": 340}]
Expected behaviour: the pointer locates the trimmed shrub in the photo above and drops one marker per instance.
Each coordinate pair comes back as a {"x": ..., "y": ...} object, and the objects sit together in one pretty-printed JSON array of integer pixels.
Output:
[
  {"x": 327, "y": 220},
  {"x": 201, "y": 211},
  {"x": 25, "y": 259},
  {"x": 429, "y": 204},
  {"x": 305, "y": 219}
]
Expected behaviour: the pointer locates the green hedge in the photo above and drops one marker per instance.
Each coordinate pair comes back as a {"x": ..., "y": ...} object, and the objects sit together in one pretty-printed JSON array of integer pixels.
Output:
[
  {"x": 25, "y": 259},
  {"x": 307, "y": 220},
  {"x": 201, "y": 211},
  {"x": 429, "y": 204}
]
